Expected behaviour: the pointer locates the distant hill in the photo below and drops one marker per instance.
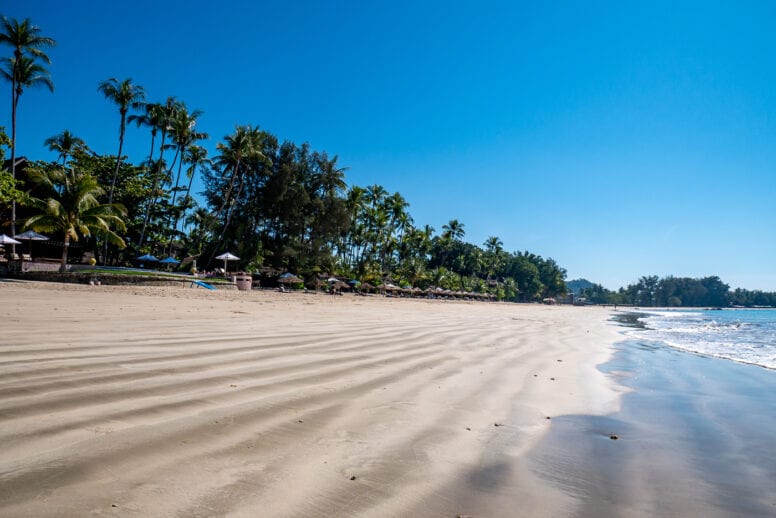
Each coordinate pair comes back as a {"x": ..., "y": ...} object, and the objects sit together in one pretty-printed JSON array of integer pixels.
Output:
[{"x": 577, "y": 285}]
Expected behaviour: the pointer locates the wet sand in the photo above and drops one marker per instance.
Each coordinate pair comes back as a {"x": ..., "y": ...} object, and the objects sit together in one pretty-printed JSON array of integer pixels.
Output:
[
  {"x": 695, "y": 438},
  {"x": 184, "y": 402}
]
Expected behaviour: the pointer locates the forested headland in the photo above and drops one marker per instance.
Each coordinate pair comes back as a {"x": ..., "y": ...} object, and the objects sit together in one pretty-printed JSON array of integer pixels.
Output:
[{"x": 652, "y": 291}]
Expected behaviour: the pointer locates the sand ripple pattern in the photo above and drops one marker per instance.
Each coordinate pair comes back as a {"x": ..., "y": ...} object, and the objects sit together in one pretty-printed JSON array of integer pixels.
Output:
[{"x": 175, "y": 402}]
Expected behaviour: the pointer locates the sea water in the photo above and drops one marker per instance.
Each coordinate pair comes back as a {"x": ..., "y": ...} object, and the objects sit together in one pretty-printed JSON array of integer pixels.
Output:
[{"x": 742, "y": 335}]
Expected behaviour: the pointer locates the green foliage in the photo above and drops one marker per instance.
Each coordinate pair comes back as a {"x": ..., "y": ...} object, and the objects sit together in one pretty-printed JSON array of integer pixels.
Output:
[
  {"x": 9, "y": 188},
  {"x": 71, "y": 206},
  {"x": 651, "y": 291}
]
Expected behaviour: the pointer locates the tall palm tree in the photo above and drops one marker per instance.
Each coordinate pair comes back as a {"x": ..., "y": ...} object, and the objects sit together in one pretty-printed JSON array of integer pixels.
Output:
[
  {"x": 72, "y": 207},
  {"x": 151, "y": 116},
  {"x": 65, "y": 144},
  {"x": 195, "y": 156},
  {"x": 28, "y": 45},
  {"x": 162, "y": 116},
  {"x": 183, "y": 136},
  {"x": 123, "y": 94}
]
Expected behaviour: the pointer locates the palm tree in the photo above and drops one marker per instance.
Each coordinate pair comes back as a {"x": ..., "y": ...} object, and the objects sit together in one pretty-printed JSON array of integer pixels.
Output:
[
  {"x": 23, "y": 73},
  {"x": 195, "y": 156},
  {"x": 161, "y": 116},
  {"x": 65, "y": 144},
  {"x": 183, "y": 136},
  {"x": 27, "y": 45},
  {"x": 123, "y": 94},
  {"x": 453, "y": 230},
  {"x": 151, "y": 117},
  {"x": 493, "y": 249},
  {"x": 73, "y": 208},
  {"x": 241, "y": 145}
]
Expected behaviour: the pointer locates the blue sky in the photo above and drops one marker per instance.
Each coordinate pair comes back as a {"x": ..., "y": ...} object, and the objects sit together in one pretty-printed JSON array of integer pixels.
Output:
[{"x": 619, "y": 139}]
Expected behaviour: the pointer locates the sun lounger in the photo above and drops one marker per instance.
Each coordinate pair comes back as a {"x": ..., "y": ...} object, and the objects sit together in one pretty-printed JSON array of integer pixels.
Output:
[{"x": 201, "y": 285}]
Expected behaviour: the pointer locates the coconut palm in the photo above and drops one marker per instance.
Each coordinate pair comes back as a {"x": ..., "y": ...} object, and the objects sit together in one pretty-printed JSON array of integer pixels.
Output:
[
  {"x": 238, "y": 147},
  {"x": 161, "y": 116},
  {"x": 195, "y": 156},
  {"x": 23, "y": 73},
  {"x": 453, "y": 230},
  {"x": 65, "y": 144},
  {"x": 123, "y": 94},
  {"x": 73, "y": 208},
  {"x": 21, "y": 70},
  {"x": 183, "y": 136},
  {"x": 152, "y": 117}
]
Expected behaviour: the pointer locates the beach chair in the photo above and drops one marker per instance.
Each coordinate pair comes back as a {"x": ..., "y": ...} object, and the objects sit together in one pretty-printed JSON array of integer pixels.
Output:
[
  {"x": 26, "y": 257},
  {"x": 201, "y": 285}
]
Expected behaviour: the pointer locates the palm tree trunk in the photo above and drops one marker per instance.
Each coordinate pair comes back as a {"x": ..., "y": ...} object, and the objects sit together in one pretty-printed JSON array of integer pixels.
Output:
[
  {"x": 113, "y": 180},
  {"x": 63, "y": 263},
  {"x": 174, "y": 226},
  {"x": 14, "y": 103},
  {"x": 156, "y": 184}
]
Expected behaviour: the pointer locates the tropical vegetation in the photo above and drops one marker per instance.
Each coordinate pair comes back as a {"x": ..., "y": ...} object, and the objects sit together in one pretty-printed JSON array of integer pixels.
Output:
[
  {"x": 273, "y": 203},
  {"x": 653, "y": 291}
]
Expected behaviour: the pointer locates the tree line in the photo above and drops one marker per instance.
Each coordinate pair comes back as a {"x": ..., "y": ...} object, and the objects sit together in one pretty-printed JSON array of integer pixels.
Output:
[
  {"x": 273, "y": 203},
  {"x": 652, "y": 291}
]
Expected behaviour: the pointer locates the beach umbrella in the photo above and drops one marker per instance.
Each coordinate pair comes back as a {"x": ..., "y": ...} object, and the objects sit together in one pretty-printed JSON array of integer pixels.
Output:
[
  {"x": 148, "y": 258},
  {"x": 354, "y": 282},
  {"x": 32, "y": 236},
  {"x": 332, "y": 280},
  {"x": 7, "y": 240},
  {"x": 289, "y": 278},
  {"x": 169, "y": 260},
  {"x": 226, "y": 256}
]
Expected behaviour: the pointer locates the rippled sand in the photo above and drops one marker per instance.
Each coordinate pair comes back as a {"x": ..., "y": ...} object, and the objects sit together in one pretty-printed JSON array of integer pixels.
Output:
[{"x": 187, "y": 402}]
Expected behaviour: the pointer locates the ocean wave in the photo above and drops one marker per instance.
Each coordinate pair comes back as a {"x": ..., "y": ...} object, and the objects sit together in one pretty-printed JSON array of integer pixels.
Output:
[{"x": 742, "y": 336}]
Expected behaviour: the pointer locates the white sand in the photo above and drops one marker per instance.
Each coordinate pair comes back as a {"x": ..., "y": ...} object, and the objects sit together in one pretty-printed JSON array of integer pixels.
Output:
[{"x": 182, "y": 402}]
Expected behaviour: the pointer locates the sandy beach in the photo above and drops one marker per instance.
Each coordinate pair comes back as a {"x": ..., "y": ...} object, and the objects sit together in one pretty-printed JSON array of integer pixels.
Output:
[{"x": 182, "y": 402}]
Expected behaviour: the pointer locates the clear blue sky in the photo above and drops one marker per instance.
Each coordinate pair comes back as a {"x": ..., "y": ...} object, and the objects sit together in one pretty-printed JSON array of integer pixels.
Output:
[{"x": 620, "y": 140}]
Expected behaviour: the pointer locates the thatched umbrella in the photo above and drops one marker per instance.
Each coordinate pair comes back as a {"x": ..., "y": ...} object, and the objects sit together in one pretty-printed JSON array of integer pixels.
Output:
[
  {"x": 340, "y": 285},
  {"x": 289, "y": 278}
]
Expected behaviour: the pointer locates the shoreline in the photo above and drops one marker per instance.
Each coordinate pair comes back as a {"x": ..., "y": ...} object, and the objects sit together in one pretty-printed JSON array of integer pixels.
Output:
[
  {"x": 182, "y": 401},
  {"x": 694, "y": 438}
]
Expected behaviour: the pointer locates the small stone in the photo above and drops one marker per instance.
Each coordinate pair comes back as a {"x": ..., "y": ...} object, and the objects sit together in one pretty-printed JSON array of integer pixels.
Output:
[
  {"x": 353, "y": 477},
  {"x": 548, "y": 417},
  {"x": 300, "y": 421},
  {"x": 469, "y": 429},
  {"x": 497, "y": 424},
  {"x": 614, "y": 437},
  {"x": 113, "y": 505},
  {"x": 552, "y": 379}
]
